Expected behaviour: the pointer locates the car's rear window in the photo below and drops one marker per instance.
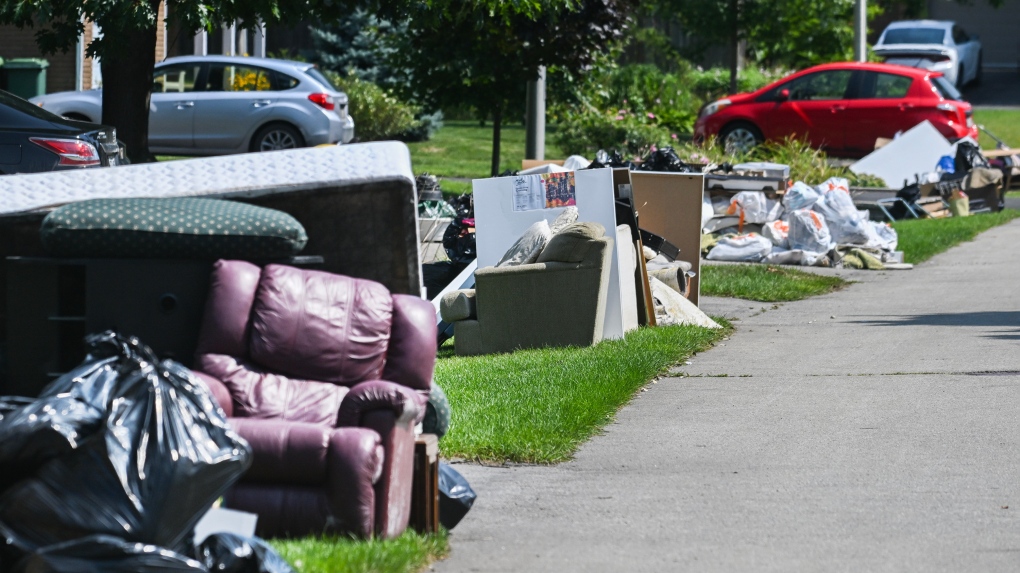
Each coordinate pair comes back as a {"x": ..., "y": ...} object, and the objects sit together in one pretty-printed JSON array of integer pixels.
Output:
[
  {"x": 321, "y": 78},
  {"x": 915, "y": 36},
  {"x": 945, "y": 89},
  {"x": 18, "y": 104}
]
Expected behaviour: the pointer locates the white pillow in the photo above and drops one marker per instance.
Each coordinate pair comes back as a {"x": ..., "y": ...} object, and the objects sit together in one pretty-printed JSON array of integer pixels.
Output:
[
  {"x": 567, "y": 217},
  {"x": 528, "y": 247}
]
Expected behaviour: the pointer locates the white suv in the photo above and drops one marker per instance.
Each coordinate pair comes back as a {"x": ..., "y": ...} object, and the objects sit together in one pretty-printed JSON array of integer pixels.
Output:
[{"x": 214, "y": 105}]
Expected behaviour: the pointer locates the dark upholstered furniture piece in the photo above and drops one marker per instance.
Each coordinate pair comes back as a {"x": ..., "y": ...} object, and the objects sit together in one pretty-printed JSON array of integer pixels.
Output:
[{"x": 325, "y": 376}]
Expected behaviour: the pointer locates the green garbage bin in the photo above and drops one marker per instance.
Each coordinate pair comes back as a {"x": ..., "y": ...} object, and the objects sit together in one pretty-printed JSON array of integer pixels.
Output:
[{"x": 26, "y": 77}]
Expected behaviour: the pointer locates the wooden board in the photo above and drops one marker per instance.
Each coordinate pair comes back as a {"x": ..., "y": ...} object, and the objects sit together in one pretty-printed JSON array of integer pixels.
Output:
[{"x": 669, "y": 204}]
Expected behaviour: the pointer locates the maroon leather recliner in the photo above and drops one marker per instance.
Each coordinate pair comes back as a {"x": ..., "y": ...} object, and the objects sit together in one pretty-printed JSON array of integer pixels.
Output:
[{"x": 326, "y": 377}]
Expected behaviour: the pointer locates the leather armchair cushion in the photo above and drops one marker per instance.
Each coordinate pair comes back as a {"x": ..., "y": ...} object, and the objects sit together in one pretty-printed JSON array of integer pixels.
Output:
[
  {"x": 320, "y": 326},
  {"x": 458, "y": 305},
  {"x": 260, "y": 394},
  {"x": 300, "y": 454},
  {"x": 404, "y": 403},
  {"x": 571, "y": 245}
]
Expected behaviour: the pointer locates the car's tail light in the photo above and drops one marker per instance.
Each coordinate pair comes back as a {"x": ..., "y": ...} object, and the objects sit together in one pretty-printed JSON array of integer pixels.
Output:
[
  {"x": 72, "y": 152},
  {"x": 955, "y": 113},
  {"x": 325, "y": 101}
]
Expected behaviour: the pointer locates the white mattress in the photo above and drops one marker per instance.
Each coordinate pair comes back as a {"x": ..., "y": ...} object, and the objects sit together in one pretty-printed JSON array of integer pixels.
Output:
[{"x": 245, "y": 175}]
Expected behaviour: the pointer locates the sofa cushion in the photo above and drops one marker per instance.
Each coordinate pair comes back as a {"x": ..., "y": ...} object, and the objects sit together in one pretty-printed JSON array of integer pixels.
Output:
[
  {"x": 528, "y": 247},
  {"x": 179, "y": 228},
  {"x": 320, "y": 326},
  {"x": 571, "y": 245},
  {"x": 458, "y": 305}
]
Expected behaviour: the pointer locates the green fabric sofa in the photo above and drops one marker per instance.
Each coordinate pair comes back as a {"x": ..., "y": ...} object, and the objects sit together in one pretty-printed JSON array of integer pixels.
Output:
[{"x": 558, "y": 301}]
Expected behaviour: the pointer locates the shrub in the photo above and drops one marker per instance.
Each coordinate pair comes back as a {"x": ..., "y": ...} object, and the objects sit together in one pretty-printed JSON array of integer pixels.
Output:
[
  {"x": 633, "y": 107},
  {"x": 809, "y": 165},
  {"x": 379, "y": 115},
  {"x": 586, "y": 133}
]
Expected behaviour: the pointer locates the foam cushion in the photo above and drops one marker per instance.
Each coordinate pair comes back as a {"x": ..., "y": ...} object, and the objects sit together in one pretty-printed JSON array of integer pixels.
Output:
[
  {"x": 179, "y": 228},
  {"x": 528, "y": 247},
  {"x": 572, "y": 243}
]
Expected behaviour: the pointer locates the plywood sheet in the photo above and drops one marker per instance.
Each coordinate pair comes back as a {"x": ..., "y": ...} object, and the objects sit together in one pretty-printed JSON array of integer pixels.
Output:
[{"x": 669, "y": 205}]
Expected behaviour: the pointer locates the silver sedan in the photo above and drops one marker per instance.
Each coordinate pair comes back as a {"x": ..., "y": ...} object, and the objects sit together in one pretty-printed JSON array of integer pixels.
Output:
[{"x": 214, "y": 105}]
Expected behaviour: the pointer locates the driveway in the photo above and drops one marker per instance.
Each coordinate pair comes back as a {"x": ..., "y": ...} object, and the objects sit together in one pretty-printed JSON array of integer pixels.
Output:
[
  {"x": 873, "y": 429},
  {"x": 998, "y": 89}
]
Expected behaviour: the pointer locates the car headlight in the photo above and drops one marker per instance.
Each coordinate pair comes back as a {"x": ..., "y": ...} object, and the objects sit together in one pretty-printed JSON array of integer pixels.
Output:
[{"x": 714, "y": 107}]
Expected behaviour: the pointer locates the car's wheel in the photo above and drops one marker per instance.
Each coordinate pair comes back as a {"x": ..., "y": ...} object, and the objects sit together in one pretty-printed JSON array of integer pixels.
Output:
[
  {"x": 740, "y": 137},
  {"x": 980, "y": 68},
  {"x": 277, "y": 136},
  {"x": 77, "y": 117},
  {"x": 960, "y": 75}
]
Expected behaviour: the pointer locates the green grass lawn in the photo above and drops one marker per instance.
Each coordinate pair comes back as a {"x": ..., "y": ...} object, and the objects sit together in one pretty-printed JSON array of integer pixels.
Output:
[
  {"x": 463, "y": 149},
  {"x": 538, "y": 406},
  {"x": 765, "y": 283},
  {"x": 921, "y": 239},
  {"x": 1004, "y": 123},
  {"x": 407, "y": 553}
]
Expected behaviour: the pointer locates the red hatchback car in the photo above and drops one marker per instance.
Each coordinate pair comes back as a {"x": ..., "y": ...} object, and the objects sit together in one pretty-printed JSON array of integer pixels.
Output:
[{"x": 841, "y": 108}]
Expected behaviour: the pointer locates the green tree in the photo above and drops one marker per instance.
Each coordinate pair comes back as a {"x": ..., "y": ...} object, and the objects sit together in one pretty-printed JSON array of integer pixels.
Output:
[
  {"x": 128, "y": 45},
  {"x": 361, "y": 44},
  {"x": 472, "y": 57}
]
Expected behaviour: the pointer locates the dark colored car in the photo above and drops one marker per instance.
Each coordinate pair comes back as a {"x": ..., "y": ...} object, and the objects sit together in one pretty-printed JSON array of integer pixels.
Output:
[
  {"x": 841, "y": 108},
  {"x": 34, "y": 140}
]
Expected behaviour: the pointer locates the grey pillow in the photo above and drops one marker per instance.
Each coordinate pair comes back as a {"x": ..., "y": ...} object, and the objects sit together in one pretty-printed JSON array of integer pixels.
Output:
[
  {"x": 528, "y": 247},
  {"x": 572, "y": 243},
  {"x": 568, "y": 216}
]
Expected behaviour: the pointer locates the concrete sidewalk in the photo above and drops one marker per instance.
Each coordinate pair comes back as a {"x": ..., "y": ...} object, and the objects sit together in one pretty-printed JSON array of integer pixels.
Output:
[{"x": 873, "y": 429}]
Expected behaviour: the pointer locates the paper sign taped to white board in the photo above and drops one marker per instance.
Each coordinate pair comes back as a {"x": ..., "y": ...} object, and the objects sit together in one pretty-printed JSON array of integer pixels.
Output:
[{"x": 544, "y": 191}]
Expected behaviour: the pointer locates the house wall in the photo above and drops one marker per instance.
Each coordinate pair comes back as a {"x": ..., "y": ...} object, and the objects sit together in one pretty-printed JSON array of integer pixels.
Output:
[
  {"x": 15, "y": 43},
  {"x": 61, "y": 75},
  {"x": 999, "y": 29}
]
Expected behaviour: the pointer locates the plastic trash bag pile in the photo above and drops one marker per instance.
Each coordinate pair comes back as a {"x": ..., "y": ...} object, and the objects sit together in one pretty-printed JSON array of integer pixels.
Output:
[
  {"x": 111, "y": 467},
  {"x": 812, "y": 226}
]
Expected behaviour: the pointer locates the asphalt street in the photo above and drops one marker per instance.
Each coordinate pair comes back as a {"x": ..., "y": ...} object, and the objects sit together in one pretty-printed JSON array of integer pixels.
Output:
[
  {"x": 998, "y": 89},
  {"x": 872, "y": 429}
]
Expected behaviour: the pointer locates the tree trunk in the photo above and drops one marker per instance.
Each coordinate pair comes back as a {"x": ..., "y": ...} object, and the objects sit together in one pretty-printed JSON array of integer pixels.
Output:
[
  {"x": 497, "y": 124},
  {"x": 127, "y": 82},
  {"x": 734, "y": 44}
]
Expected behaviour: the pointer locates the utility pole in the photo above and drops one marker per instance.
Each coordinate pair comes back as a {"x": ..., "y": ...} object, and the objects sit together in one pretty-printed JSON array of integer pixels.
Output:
[
  {"x": 534, "y": 146},
  {"x": 861, "y": 30}
]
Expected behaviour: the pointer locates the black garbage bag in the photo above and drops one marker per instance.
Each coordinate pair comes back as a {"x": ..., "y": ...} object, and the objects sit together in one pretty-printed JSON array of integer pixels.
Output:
[
  {"x": 908, "y": 199},
  {"x": 455, "y": 496},
  {"x": 666, "y": 159},
  {"x": 231, "y": 553},
  {"x": 159, "y": 457},
  {"x": 968, "y": 156},
  {"x": 105, "y": 554},
  {"x": 605, "y": 158},
  {"x": 459, "y": 240}
]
